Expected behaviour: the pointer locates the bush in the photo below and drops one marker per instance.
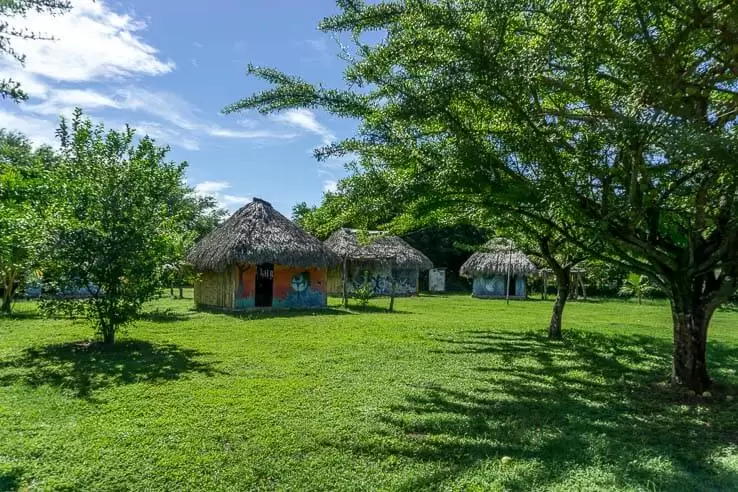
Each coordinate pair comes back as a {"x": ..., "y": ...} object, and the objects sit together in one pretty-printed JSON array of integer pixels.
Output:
[
  {"x": 62, "y": 307},
  {"x": 364, "y": 293}
]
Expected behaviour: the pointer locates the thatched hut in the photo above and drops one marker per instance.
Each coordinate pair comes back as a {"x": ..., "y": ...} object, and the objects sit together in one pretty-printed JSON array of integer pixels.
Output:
[
  {"x": 499, "y": 270},
  {"x": 258, "y": 258},
  {"x": 393, "y": 266}
]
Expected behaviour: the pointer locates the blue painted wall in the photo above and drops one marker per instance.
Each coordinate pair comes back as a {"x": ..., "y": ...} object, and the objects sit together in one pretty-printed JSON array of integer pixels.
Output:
[{"x": 494, "y": 286}]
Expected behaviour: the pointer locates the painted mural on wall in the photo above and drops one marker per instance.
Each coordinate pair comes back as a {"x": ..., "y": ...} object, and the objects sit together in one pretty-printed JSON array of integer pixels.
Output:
[
  {"x": 494, "y": 286},
  {"x": 381, "y": 281},
  {"x": 292, "y": 288},
  {"x": 246, "y": 291},
  {"x": 299, "y": 287}
]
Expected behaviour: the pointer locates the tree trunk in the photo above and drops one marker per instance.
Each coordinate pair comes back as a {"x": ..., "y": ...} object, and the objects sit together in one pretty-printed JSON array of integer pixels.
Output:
[
  {"x": 7, "y": 305},
  {"x": 108, "y": 334},
  {"x": 562, "y": 293},
  {"x": 8, "y": 283},
  {"x": 171, "y": 291},
  {"x": 181, "y": 292},
  {"x": 691, "y": 319}
]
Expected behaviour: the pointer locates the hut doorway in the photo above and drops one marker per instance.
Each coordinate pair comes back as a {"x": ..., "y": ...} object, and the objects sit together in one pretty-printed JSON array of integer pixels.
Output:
[
  {"x": 511, "y": 286},
  {"x": 264, "y": 285}
]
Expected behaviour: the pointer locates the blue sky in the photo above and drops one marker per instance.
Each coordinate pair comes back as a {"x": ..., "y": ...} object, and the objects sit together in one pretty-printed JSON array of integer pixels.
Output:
[{"x": 168, "y": 68}]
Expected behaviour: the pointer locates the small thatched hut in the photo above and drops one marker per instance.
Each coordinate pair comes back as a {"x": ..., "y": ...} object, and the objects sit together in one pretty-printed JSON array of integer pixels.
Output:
[
  {"x": 258, "y": 258},
  {"x": 384, "y": 257},
  {"x": 491, "y": 268}
]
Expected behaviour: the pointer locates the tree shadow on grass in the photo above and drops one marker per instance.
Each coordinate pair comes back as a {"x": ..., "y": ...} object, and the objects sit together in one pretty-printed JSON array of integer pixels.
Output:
[
  {"x": 164, "y": 316},
  {"x": 10, "y": 478},
  {"x": 83, "y": 367},
  {"x": 590, "y": 412}
]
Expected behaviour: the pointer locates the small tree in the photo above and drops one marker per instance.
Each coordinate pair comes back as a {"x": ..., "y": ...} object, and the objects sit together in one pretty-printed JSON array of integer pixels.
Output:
[
  {"x": 636, "y": 286},
  {"x": 115, "y": 196}
]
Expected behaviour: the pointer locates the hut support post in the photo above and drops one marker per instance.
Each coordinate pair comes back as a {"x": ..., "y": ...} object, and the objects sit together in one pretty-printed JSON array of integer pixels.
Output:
[
  {"x": 573, "y": 287},
  {"x": 392, "y": 292},
  {"x": 584, "y": 288},
  {"x": 344, "y": 274},
  {"x": 544, "y": 292}
]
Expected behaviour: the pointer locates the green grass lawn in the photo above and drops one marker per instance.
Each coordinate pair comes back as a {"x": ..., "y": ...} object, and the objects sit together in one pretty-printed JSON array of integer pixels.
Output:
[{"x": 430, "y": 397}]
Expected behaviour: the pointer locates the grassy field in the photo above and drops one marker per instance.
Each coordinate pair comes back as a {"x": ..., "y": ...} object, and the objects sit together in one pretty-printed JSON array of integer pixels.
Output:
[{"x": 431, "y": 397}]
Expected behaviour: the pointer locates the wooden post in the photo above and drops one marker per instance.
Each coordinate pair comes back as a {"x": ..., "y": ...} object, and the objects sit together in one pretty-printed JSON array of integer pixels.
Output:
[
  {"x": 584, "y": 289},
  {"x": 544, "y": 291},
  {"x": 392, "y": 291},
  {"x": 345, "y": 283}
]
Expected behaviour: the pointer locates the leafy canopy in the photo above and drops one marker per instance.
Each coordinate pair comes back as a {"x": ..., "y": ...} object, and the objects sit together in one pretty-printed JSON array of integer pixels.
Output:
[{"x": 121, "y": 202}]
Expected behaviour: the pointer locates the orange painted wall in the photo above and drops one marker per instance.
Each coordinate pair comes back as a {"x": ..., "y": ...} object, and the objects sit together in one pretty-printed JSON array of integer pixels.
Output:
[{"x": 290, "y": 290}]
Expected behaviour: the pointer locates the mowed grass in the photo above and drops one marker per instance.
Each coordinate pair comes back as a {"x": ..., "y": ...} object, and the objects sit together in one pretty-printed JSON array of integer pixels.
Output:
[{"x": 431, "y": 397}]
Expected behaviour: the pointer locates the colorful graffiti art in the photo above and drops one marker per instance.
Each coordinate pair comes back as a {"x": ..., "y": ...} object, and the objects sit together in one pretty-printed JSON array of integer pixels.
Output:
[
  {"x": 245, "y": 298},
  {"x": 381, "y": 282},
  {"x": 293, "y": 288},
  {"x": 300, "y": 288}
]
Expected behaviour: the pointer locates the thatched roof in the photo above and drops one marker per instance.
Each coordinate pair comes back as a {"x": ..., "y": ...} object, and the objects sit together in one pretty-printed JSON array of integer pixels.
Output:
[
  {"x": 494, "y": 259},
  {"x": 379, "y": 248},
  {"x": 256, "y": 234}
]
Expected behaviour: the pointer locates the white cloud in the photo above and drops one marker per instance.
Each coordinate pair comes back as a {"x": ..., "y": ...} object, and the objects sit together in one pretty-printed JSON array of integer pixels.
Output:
[
  {"x": 225, "y": 200},
  {"x": 330, "y": 186},
  {"x": 91, "y": 43},
  {"x": 31, "y": 84},
  {"x": 95, "y": 53},
  {"x": 211, "y": 187},
  {"x": 317, "y": 51},
  {"x": 197, "y": 45},
  {"x": 305, "y": 119},
  {"x": 164, "y": 135},
  {"x": 62, "y": 101},
  {"x": 175, "y": 110},
  {"x": 217, "y": 131},
  {"x": 194, "y": 62},
  {"x": 234, "y": 200},
  {"x": 40, "y": 131}
]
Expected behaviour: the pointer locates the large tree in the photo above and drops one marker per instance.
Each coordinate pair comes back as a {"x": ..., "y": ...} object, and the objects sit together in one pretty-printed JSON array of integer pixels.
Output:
[
  {"x": 620, "y": 115},
  {"x": 117, "y": 197},
  {"x": 12, "y": 13}
]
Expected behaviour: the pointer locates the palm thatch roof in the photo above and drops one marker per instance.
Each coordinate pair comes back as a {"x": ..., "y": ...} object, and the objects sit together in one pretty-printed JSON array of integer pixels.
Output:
[
  {"x": 494, "y": 259},
  {"x": 257, "y": 234},
  {"x": 378, "y": 248}
]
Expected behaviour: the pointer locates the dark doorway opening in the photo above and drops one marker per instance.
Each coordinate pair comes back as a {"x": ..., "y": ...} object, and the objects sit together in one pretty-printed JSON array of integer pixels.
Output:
[
  {"x": 511, "y": 286},
  {"x": 264, "y": 285}
]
